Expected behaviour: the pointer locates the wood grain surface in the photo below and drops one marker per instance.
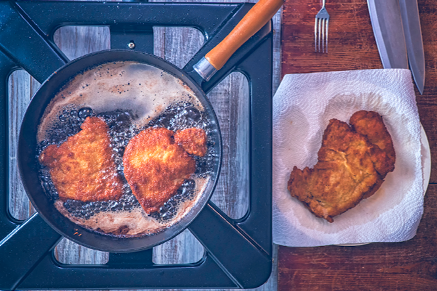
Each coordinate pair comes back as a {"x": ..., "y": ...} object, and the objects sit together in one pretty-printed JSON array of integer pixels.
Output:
[
  {"x": 410, "y": 265},
  {"x": 229, "y": 99}
]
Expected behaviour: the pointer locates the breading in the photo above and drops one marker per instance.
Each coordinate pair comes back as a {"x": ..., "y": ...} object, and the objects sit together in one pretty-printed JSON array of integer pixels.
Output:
[
  {"x": 82, "y": 168},
  {"x": 350, "y": 168},
  {"x": 371, "y": 125},
  {"x": 193, "y": 140},
  {"x": 155, "y": 167}
]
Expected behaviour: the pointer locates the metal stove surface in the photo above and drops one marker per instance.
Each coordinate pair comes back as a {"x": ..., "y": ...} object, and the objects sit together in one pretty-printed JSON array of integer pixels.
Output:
[{"x": 238, "y": 252}]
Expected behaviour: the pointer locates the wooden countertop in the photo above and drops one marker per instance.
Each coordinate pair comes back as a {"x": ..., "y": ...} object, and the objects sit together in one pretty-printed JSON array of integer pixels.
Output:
[{"x": 410, "y": 265}]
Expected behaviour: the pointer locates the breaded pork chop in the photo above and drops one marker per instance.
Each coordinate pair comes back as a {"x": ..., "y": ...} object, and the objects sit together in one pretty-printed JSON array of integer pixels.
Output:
[
  {"x": 82, "y": 168},
  {"x": 155, "y": 167},
  {"x": 371, "y": 125},
  {"x": 349, "y": 169},
  {"x": 193, "y": 140}
]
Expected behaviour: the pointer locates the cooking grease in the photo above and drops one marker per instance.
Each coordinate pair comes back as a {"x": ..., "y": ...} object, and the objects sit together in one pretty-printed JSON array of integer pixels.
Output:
[{"x": 73, "y": 104}]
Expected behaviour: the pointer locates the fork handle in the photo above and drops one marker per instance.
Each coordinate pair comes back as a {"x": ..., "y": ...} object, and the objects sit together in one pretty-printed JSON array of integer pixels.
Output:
[{"x": 253, "y": 21}]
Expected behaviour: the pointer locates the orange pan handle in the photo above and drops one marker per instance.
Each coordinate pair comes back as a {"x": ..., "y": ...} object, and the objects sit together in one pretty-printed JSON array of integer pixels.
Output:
[{"x": 253, "y": 21}]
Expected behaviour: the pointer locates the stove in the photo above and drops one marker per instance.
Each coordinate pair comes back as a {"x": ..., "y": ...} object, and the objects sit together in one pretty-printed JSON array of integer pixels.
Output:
[{"x": 238, "y": 252}]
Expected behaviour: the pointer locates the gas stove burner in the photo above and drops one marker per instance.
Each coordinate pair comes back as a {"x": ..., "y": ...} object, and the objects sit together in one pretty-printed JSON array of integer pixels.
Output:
[{"x": 238, "y": 252}]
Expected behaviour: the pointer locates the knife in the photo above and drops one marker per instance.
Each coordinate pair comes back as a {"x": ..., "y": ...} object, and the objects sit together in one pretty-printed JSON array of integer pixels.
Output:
[
  {"x": 396, "y": 27},
  {"x": 413, "y": 37}
]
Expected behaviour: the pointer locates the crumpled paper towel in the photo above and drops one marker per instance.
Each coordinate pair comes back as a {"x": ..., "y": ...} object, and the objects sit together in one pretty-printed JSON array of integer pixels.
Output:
[{"x": 302, "y": 108}]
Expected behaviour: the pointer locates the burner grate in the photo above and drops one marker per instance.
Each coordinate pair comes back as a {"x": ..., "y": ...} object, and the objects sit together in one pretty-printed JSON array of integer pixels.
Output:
[{"x": 26, "y": 248}]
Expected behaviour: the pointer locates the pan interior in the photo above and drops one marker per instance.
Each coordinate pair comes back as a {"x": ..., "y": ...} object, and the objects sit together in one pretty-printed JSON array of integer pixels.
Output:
[
  {"x": 141, "y": 89},
  {"x": 146, "y": 93}
]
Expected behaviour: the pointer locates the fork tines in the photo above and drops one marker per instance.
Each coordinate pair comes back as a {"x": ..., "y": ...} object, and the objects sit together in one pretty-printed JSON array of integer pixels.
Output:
[{"x": 321, "y": 31}]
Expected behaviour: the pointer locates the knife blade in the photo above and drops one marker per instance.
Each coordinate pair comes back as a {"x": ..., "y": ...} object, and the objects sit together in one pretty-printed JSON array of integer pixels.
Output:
[
  {"x": 413, "y": 36},
  {"x": 389, "y": 33}
]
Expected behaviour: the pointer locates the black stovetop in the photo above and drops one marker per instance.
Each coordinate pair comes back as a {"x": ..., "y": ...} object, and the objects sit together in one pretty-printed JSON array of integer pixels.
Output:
[{"x": 238, "y": 253}]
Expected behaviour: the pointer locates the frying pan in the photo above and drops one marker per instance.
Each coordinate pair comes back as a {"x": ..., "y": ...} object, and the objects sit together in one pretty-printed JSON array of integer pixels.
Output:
[{"x": 27, "y": 145}]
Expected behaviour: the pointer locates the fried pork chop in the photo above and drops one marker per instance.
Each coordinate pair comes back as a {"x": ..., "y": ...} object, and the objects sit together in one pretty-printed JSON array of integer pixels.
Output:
[
  {"x": 193, "y": 140},
  {"x": 371, "y": 125},
  {"x": 155, "y": 166},
  {"x": 352, "y": 164},
  {"x": 82, "y": 168}
]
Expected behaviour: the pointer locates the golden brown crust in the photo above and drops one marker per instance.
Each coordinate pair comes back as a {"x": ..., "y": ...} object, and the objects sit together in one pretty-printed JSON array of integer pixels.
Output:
[
  {"x": 371, "y": 125},
  {"x": 155, "y": 167},
  {"x": 193, "y": 140},
  {"x": 82, "y": 168},
  {"x": 349, "y": 169}
]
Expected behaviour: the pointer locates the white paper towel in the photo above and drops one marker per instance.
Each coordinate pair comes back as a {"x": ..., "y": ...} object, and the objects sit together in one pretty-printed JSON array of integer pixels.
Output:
[{"x": 302, "y": 108}]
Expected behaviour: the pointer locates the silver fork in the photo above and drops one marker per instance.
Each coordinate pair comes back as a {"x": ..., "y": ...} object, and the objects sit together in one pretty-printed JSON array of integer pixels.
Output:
[{"x": 321, "y": 30}]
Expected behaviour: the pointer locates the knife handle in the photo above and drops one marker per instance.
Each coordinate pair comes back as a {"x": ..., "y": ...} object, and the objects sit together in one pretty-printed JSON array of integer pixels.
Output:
[{"x": 253, "y": 21}]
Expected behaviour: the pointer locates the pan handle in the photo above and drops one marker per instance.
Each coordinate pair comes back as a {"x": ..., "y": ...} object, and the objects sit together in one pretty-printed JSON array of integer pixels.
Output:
[{"x": 253, "y": 21}]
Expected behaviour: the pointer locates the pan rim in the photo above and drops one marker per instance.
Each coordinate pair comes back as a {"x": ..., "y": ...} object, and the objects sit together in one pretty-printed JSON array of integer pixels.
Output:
[{"x": 23, "y": 149}]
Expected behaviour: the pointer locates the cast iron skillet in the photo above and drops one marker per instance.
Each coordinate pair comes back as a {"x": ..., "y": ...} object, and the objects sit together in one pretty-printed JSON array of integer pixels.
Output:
[{"x": 29, "y": 165}]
